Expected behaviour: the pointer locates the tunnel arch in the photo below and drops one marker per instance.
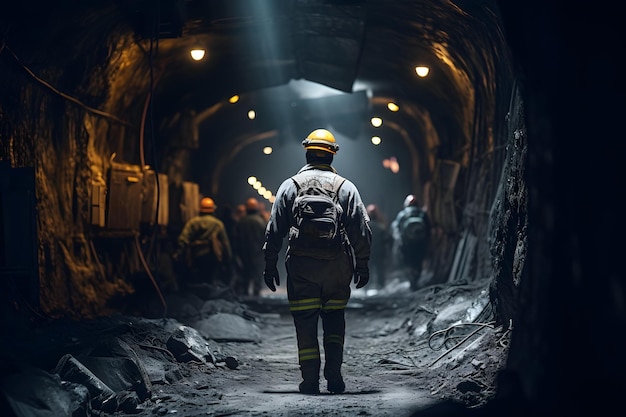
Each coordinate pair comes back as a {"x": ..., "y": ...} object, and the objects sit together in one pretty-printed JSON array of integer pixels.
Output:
[{"x": 130, "y": 62}]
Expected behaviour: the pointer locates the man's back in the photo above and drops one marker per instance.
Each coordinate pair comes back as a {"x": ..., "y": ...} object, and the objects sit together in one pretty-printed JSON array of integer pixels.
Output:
[
  {"x": 250, "y": 236},
  {"x": 318, "y": 280},
  {"x": 412, "y": 227}
]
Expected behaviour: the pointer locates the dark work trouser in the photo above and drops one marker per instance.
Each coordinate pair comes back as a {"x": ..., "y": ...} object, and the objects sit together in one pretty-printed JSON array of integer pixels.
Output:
[
  {"x": 319, "y": 288},
  {"x": 413, "y": 259}
]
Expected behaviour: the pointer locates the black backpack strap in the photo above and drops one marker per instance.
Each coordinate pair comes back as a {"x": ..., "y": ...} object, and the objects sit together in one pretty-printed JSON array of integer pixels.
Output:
[
  {"x": 295, "y": 181},
  {"x": 337, "y": 183}
]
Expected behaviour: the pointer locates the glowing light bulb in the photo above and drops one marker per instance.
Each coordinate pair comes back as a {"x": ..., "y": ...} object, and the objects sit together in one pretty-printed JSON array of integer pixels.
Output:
[
  {"x": 197, "y": 54},
  {"x": 422, "y": 71},
  {"x": 392, "y": 106},
  {"x": 376, "y": 121}
]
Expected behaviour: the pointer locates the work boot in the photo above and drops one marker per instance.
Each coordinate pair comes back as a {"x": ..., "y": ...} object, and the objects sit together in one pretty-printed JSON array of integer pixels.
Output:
[
  {"x": 310, "y": 379},
  {"x": 309, "y": 386},
  {"x": 332, "y": 368},
  {"x": 336, "y": 384}
]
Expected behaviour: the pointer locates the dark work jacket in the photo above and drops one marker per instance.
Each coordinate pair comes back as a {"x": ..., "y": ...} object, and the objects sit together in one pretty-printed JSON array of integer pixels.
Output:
[
  {"x": 198, "y": 231},
  {"x": 354, "y": 218}
]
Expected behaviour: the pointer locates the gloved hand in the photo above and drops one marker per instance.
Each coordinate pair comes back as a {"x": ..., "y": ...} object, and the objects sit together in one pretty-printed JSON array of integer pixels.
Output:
[
  {"x": 361, "y": 276},
  {"x": 271, "y": 278}
]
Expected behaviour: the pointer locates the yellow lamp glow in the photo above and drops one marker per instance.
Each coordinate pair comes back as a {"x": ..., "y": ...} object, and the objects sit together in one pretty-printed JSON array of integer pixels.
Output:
[
  {"x": 234, "y": 99},
  {"x": 267, "y": 150},
  {"x": 251, "y": 180},
  {"x": 376, "y": 140},
  {"x": 197, "y": 54},
  {"x": 422, "y": 71},
  {"x": 251, "y": 114},
  {"x": 392, "y": 106},
  {"x": 376, "y": 121}
]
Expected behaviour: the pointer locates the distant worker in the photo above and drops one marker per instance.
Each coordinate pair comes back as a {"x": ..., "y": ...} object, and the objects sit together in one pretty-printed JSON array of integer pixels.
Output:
[
  {"x": 411, "y": 235},
  {"x": 381, "y": 246},
  {"x": 240, "y": 211},
  {"x": 250, "y": 237},
  {"x": 204, "y": 246},
  {"x": 329, "y": 241},
  {"x": 264, "y": 211}
]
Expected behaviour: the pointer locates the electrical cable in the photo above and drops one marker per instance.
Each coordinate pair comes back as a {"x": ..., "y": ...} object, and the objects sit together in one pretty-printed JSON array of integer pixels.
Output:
[
  {"x": 52, "y": 88},
  {"x": 446, "y": 331},
  {"x": 149, "y": 105},
  {"x": 147, "y": 268}
]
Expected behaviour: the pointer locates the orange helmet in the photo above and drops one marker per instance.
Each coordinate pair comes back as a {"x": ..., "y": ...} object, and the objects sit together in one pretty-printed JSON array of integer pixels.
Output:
[
  {"x": 207, "y": 205},
  {"x": 252, "y": 204},
  {"x": 321, "y": 139}
]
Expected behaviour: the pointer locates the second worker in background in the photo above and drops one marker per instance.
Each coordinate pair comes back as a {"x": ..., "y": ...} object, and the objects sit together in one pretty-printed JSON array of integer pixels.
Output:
[
  {"x": 249, "y": 239},
  {"x": 329, "y": 240},
  {"x": 204, "y": 247}
]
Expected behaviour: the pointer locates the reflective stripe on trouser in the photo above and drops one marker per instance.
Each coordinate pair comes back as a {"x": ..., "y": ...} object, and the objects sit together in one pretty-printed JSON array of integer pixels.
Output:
[
  {"x": 318, "y": 288},
  {"x": 305, "y": 315},
  {"x": 334, "y": 325}
]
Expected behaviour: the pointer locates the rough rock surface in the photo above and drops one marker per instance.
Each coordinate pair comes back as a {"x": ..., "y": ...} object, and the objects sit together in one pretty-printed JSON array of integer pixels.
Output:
[{"x": 404, "y": 352}]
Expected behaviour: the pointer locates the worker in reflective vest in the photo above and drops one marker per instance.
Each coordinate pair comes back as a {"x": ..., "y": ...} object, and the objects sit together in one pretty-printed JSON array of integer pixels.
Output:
[{"x": 319, "y": 275}]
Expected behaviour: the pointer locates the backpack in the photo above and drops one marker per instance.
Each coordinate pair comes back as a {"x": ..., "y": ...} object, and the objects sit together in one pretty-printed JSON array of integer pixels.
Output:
[
  {"x": 317, "y": 214},
  {"x": 413, "y": 229}
]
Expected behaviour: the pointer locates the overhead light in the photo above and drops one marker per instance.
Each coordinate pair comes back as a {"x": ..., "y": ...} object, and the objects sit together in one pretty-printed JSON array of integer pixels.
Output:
[
  {"x": 392, "y": 106},
  {"x": 251, "y": 114},
  {"x": 267, "y": 150},
  {"x": 251, "y": 180},
  {"x": 197, "y": 54},
  {"x": 234, "y": 99},
  {"x": 376, "y": 140},
  {"x": 422, "y": 71},
  {"x": 376, "y": 121}
]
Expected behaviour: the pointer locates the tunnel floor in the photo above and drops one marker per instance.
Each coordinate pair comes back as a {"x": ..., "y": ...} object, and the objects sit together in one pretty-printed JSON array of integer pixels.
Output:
[{"x": 404, "y": 353}]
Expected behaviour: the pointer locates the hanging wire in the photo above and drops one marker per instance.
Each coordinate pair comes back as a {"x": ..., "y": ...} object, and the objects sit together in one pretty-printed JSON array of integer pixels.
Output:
[
  {"x": 55, "y": 90},
  {"x": 150, "y": 105}
]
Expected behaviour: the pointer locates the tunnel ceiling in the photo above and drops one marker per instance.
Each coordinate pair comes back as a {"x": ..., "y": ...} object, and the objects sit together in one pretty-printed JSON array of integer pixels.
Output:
[
  {"x": 347, "y": 45},
  {"x": 343, "y": 44}
]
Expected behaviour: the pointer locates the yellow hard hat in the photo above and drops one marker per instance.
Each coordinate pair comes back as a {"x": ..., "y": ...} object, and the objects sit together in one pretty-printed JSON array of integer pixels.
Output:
[
  {"x": 207, "y": 205},
  {"x": 322, "y": 140}
]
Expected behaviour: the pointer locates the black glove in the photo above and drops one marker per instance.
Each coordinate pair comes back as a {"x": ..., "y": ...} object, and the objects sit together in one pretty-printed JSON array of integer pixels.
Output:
[
  {"x": 270, "y": 276},
  {"x": 361, "y": 276}
]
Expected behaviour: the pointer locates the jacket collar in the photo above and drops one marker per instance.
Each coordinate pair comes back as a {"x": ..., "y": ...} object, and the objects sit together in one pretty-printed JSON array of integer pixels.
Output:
[{"x": 321, "y": 167}]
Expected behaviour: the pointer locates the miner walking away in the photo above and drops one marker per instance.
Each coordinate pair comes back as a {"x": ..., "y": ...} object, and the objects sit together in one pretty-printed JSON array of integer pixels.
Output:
[
  {"x": 329, "y": 240},
  {"x": 204, "y": 247},
  {"x": 411, "y": 230},
  {"x": 249, "y": 239}
]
